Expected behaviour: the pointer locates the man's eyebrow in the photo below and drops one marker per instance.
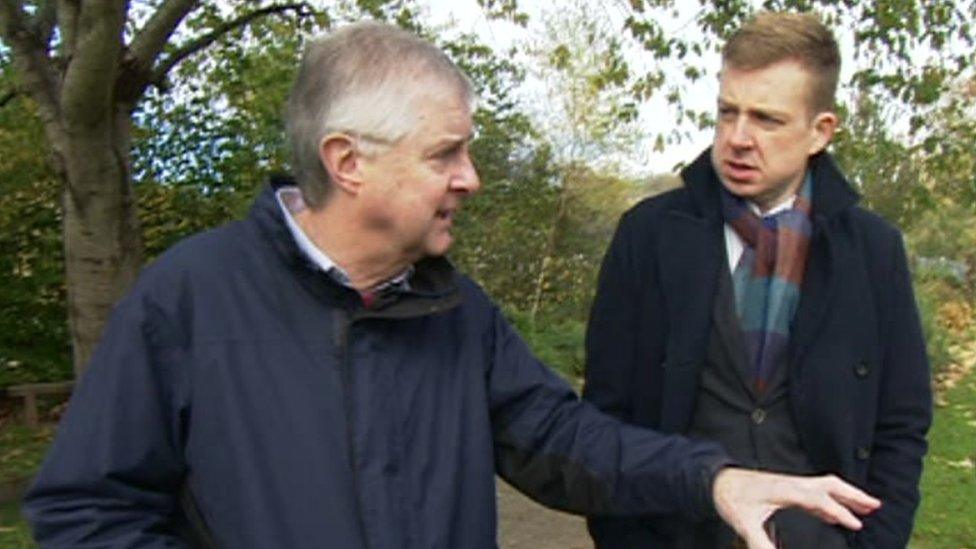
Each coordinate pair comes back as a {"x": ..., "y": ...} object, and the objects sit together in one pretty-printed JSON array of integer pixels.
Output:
[
  {"x": 721, "y": 102},
  {"x": 765, "y": 111},
  {"x": 452, "y": 140},
  {"x": 768, "y": 112}
]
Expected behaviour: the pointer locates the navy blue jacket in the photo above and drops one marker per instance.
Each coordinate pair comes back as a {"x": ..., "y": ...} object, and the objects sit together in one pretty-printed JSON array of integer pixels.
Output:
[
  {"x": 859, "y": 377},
  {"x": 295, "y": 418}
]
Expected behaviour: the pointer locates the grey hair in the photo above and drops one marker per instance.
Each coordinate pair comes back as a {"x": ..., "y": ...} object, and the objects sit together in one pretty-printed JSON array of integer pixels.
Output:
[{"x": 363, "y": 80}]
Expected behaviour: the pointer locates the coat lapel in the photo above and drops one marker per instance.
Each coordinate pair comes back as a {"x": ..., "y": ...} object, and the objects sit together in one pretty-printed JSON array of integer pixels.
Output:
[
  {"x": 832, "y": 194},
  {"x": 816, "y": 293}
]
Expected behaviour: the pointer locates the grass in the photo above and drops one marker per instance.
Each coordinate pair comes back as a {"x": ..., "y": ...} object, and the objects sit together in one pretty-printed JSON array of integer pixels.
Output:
[
  {"x": 947, "y": 517},
  {"x": 14, "y": 532},
  {"x": 21, "y": 452},
  {"x": 22, "y": 449}
]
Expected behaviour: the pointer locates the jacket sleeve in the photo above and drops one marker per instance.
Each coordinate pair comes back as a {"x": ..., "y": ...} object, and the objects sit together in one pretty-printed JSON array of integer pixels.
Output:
[
  {"x": 566, "y": 454},
  {"x": 904, "y": 413},
  {"x": 112, "y": 476}
]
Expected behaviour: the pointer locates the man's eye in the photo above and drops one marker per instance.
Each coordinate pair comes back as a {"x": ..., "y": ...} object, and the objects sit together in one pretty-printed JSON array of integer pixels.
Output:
[{"x": 447, "y": 154}]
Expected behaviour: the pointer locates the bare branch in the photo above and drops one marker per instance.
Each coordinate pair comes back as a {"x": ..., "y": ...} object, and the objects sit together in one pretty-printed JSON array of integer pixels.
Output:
[
  {"x": 7, "y": 97},
  {"x": 30, "y": 58},
  {"x": 150, "y": 41},
  {"x": 44, "y": 22},
  {"x": 301, "y": 9}
]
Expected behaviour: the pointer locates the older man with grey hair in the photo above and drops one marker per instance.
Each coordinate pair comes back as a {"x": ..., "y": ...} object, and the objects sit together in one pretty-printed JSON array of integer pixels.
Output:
[{"x": 318, "y": 375}]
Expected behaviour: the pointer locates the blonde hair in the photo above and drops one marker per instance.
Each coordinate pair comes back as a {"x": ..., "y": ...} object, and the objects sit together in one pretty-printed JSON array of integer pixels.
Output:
[{"x": 771, "y": 37}]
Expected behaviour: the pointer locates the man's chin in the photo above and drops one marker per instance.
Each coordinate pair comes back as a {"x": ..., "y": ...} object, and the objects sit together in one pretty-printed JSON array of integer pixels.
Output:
[
  {"x": 741, "y": 188},
  {"x": 439, "y": 246}
]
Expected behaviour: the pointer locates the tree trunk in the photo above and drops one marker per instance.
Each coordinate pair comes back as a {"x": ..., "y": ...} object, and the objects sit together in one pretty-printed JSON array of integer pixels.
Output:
[{"x": 102, "y": 241}]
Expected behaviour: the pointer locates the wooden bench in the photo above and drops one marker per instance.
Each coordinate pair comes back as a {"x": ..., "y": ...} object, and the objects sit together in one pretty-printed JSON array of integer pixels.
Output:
[{"x": 30, "y": 391}]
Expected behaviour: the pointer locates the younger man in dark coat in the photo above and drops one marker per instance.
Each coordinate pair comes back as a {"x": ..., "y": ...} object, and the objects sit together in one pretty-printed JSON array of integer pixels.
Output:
[{"x": 760, "y": 307}]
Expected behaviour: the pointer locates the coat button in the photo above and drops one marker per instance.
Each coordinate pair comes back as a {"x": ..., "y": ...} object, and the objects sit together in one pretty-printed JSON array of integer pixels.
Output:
[
  {"x": 862, "y": 369},
  {"x": 758, "y": 416},
  {"x": 863, "y": 452}
]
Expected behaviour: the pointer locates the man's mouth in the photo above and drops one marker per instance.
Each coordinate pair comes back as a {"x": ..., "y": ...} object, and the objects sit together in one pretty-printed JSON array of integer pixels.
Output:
[
  {"x": 446, "y": 214},
  {"x": 739, "y": 169}
]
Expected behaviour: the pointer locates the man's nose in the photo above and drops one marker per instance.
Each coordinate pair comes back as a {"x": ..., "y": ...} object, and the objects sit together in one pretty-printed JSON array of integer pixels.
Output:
[
  {"x": 740, "y": 134},
  {"x": 466, "y": 179}
]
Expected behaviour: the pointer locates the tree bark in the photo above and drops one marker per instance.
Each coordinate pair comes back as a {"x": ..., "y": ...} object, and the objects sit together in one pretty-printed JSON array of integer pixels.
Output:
[
  {"x": 86, "y": 92},
  {"x": 102, "y": 241}
]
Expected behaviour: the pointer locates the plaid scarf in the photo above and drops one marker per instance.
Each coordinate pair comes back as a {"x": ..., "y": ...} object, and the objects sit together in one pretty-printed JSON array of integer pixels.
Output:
[{"x": 768, "y": 275}]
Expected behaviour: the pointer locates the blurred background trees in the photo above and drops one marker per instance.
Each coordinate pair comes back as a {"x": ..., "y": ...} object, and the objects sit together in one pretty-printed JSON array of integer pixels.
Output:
[{"x": 563, "y": 132}]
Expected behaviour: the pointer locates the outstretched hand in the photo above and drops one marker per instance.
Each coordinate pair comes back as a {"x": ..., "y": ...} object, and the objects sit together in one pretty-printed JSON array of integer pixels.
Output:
[{"x": 746, "y": 499}]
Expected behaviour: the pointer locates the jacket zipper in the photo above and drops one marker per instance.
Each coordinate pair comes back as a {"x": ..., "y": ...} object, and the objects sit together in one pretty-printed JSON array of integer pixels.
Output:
[{"x": 343, "y": 326}]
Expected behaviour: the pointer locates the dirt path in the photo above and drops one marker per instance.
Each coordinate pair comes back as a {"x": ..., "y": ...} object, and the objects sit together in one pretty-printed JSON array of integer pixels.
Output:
[{"x": 524, "y": 524}]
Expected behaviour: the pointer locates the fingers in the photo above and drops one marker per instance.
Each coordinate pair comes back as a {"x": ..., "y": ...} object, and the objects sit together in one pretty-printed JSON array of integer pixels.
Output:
[
  {"x": 745, "y": 499},
  {"x": 831, "y": 512},
  {"x": 835, "y": 501},
  {"x": 850, "y": 496}
]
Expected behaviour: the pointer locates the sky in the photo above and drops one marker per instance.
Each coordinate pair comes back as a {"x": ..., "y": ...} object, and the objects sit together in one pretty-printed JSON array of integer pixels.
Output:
[{"x": 656, "y": 115}]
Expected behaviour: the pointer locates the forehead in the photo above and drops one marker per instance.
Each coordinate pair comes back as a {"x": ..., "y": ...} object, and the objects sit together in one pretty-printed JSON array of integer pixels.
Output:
[
  {"x": 441, "y": 113},
  {"x": 784, "y": 87}
]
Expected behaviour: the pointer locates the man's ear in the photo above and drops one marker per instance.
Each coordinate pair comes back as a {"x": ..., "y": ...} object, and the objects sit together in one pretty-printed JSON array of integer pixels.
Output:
[
  {"x": 342, "y": 161},
  {"x": 823, "y": 127}
]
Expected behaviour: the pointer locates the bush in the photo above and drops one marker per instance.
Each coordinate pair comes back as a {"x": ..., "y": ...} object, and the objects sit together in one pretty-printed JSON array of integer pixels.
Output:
[
  {"x": 929, "y": 294},
  {"x": 556, "y": 342}
]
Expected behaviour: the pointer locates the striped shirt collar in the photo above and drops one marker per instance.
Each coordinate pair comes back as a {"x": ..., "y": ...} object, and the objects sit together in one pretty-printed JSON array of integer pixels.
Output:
[{"x": 291, "y": 202}]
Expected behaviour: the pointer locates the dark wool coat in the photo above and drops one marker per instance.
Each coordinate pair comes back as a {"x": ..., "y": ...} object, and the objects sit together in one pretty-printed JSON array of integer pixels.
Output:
[
  {"x": 858, "y": 373},
  {"x": 289, "y": 416}
]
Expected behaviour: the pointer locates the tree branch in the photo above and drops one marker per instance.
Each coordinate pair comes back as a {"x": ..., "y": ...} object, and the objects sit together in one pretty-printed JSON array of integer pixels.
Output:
[
  {"x": 44, "y": 21},
  {"x": 90, "y": 73},
  {"x": 67, "y": 15},
  {"x": 30, "y": 58},
  {"x": 158, "y": 77},
  {"x": 150, "y": 41},
  {"x": 7, "y": 97}
]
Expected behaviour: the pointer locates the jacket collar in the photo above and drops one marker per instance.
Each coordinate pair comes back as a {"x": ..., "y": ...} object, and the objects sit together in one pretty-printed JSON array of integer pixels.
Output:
[
  {"x": 832, "y": 193},
  {"x": 433, "y": 281}
]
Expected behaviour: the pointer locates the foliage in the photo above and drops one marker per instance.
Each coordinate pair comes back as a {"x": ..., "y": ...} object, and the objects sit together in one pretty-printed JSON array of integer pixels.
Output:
[
  {"x": 170, "y": 213},
  {"x": 931, "y": 294},
  {"x": 906, "y": 51},
  {"x": 592, "y": 203},
  {"x": 586, "y": 107},
  {"x": 556, "y": 341},
  {"x": 221, "y": 125},
  {"x": 884, "y": 168},
  {"x": 947, "y": 149},
  {"x": 500, "y": 233},
  {"x": 945, "y": 234},
  {"x": 33, "y": 334}
]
